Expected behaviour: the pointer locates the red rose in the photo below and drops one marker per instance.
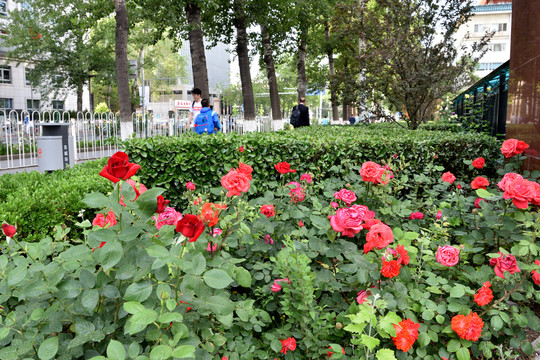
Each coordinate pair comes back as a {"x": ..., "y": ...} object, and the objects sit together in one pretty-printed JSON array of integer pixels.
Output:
[
  {"x": 536, "y": 273},
  {"x": 484, "y": 295},
  {"x": 9, "y": 230},
  {"x": 507, "y": 179},
  {"x": 390, "y": 268},
  {"x": 468, "y": 327},
  {"x": 479, "y": 182},
  {"x": 477, "y": 202},
  {"x": 536, "y": 198},
  {"x": 371, "y": 172},
  {"x": 245, "y": 169},
  {"x": 301, "y": 223},
  {"x": 210, "y": 213},
  {"x": 288, "y": 344},
  {"x": 161, "y": 204},
  {"x": 284, "y": 167},
  {"x": 235, "y": 182},
  {"x": 504, "y": 263},
  {"x": 479, "y": 163},
  {"x": 119, "y": 168},
  {"x": 379, "y": 236},
  {"x": 190, "y": 186},
  {"x": 448, "y": 177},
  {"x": 512, "y": 147},
  {"x": 241, "y": 149},
  {"x": 406, "y": 334},
  {"x": 330, "y": 352},
  {"x": 521, "y": 191},
  {"x": 268, "y": 210},
  {"x": 190, "y": 226}
]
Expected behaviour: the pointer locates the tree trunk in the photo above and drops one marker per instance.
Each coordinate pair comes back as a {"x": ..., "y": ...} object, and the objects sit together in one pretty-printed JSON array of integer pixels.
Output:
[
  {"x": 271, "y": 74},
  {"x": 243, "y": 60},
  {"x": 345, "y": 115},
  {"x": 122, "y": 69},
  {"x": 332, "y": 70},
  {"x": 79, "y": 96},
  {"x": 196, "y": 47},
  {"x": 301, "y": 66}
]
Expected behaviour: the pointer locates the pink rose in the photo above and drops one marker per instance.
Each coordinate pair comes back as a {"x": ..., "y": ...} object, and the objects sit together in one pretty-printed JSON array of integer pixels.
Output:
[
  {"x": 217, "y": 232},
  {"x": 504, "y": 263},
  {"x": 236, "y": 182},
  {"x": 347, "y": 221},
  {"x": 169, "y": 216},
  {"x": 347, "y": 196},
  {"x": 362, "y": 296},
  {"x": 536, "y": 198},
  {"x": 306, "y": 177},
  {"x": 102, "y": 221},
  {"x": 521, "y": 191},
  {"x": 439, "y": 215},
  {"x": 536, "y": 273},
  {"x": 211, "y": 248},
  {"x": 297, "y": 195},
  {"x": 512, "y": 147},
  {"x": 447, "y": 255},
  {"x": 139, "y": 189},
  {"x": 507, "y": 179},
  {"x": 379, "y": 236},
  {"x": 268, "y": 240},
  {"x": 190, "y": 186},
  {"x": 371, "y": 172},
  {"x": 334, "y": 204},
  {"x": 448, "y": 177},
  {"x": 276, "y": 287}
]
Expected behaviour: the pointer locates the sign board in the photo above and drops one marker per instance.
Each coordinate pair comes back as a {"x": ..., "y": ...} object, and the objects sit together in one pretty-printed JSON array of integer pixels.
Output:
[{"x": 182, "y": 104}]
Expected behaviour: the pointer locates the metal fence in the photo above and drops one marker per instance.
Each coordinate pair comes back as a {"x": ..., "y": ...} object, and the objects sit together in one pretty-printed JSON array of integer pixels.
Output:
[{"x": 95, "y": 135}]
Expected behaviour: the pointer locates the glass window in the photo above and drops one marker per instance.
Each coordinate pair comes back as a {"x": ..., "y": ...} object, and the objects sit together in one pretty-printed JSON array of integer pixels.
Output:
[
  {"x": 3, "y": 7},
  {"x": 58, "y": 105},
  {"x": 32, "y": 104},
  {"x": 503, "y": 27},
  {"x": 27, "y": 74},
  {"x": 5, "y": 74},
  {"x": 6, "y": 103}
]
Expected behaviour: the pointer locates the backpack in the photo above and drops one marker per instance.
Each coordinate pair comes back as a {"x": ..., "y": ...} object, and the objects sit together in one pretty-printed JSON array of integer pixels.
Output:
[
  {"x": 295, "y": 117},
  {"x": 204, "y": 124}
]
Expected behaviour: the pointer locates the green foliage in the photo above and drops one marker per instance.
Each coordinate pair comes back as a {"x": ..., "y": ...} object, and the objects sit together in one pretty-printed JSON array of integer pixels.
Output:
[
  {"x": 36, "y": 202},
  {"x": 326, "y": 152}
]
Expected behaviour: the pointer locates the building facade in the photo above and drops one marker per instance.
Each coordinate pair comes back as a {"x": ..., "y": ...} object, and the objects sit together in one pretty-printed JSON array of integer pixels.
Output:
[{"x": 489, "y": 16}]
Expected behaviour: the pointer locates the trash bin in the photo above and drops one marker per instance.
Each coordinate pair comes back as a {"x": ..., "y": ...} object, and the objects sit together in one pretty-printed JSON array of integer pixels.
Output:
[{"x": 55, "y": 147}]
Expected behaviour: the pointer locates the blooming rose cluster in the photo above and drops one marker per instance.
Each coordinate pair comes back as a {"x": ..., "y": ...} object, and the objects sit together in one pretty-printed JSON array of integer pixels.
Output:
[
  {"x": 468, "y": 327},
  {"x": 392, "y": 260},
  {"x": 513, "y": 147},
  {"x": 237, "y": 180},
  {"x": 375, "y": 173},
  {"x": 347, "y": 196},
  {"x": 406, "y": 334},
  {"x": 348, "y": 221},
  {"x": 288, "y": 344},
  {"x": 504, "y": 263},
  {"x": 521, "y": 191}
]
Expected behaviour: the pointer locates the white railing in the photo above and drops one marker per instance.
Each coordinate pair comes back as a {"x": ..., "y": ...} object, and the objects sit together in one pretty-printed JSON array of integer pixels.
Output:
[{"x": 95, "y": 135}]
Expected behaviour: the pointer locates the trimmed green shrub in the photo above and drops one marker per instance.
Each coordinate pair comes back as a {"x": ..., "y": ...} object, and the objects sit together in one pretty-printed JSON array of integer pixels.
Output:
[
  {"x": 325, "y": 151},
  {"x": 442, "y": 126},
  {"x": 37, "y": 202}
]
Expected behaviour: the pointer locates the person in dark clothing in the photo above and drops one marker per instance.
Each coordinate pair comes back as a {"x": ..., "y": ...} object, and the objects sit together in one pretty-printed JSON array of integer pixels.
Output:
[
  {"x": 352, "y": 119},
  {"x": 304, "y": 112}
]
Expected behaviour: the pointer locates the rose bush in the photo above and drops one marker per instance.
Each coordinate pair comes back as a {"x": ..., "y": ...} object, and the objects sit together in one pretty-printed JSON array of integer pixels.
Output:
[{"x": 361, "y": 279}]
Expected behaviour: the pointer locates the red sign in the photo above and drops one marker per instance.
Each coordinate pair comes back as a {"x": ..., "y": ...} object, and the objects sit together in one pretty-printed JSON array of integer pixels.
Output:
[{"x": 182, "y": 104}]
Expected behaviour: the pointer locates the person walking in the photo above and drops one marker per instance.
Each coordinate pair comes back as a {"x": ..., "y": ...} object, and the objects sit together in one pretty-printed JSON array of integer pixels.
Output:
[
  {"x": 195, "y": 107},
  {"x": 303, "y": 116},
  {"x": 207, "y": 122}
]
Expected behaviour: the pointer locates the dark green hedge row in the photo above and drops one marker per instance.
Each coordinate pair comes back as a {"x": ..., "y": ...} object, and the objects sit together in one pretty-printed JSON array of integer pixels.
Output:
[
  {"x": 442, "y": 126},
  {"x": 323, "y": 151},
  {"x": 37, "y": 202}
]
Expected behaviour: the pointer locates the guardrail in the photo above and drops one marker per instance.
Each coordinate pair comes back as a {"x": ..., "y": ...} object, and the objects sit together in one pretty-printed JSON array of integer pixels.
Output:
[{"x": 95, "y": 135}]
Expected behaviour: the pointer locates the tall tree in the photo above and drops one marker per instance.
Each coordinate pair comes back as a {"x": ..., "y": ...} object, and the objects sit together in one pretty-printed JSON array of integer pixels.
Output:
[
  {"x": 196, "y": 47},
  {"x": 122, "y": 68},
  {"x": 54, "y": 36},
  {"x": 268, "y": 58}
]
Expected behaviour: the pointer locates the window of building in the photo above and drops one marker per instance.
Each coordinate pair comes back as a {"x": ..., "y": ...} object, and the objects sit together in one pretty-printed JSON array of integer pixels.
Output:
[
  {"x": 503, "y": 27},
  {"x": 488, "y": 66},
  {"x": 496, "y": 47},
  {"x": 177, "y": 92},
  {"x": 6, "y": 104},
  {"x": 32, "y": 104},
  {"x": 58, "y": 105},
  {"x": 5, "y": 74},
  {"x": 482, "y": 28},
  {"x": 3, "y": 7},
  {"x": 27, "y": 75}
]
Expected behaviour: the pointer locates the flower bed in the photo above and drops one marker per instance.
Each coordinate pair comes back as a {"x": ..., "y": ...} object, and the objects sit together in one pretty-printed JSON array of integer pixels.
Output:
[{"x": 311, "y": 269}]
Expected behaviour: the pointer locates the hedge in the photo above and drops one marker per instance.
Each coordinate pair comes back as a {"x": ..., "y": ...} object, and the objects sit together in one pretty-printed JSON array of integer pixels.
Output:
[
  {"x": 36, "y": 202},
  {"x": 323, "y": 151}
]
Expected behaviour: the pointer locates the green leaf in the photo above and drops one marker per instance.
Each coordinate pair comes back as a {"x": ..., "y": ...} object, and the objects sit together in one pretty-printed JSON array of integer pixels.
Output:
[
  {"x": 144, "y": 317},
  {"x": 427, "y": 314},
  {"x": 276, "y": 345},
  {"x": 48, "y": 349},
  {"x": 171, "y": 304},
  {"x": 496, "y": 323},
  {"x": 69, "y": 289},
  {"x": 220, "y": 305},
  {"x": 183, "y": 351},
  {"x": 17, "y": 275},
  {"x": 133, "y": 307},
  {"x": 198, "y": 265},
  {"x": 95, "y": 200},
  {"x": 385, "y": 354},
  {"x": 138, "y": 291},
  {"x": 129, "y": 233},
  {"x": 110, "y": 254},
  {"x": 387, "y": 323},
  {"x": 157, "y": 251},
  {"x": 463, "y": 354},
  {"x": 411, "y": 235},
  {"x": 217, "y": 279},
  {"x": 90, "y": 298},
  {"x": 160, "y": 352},
  {"x": 243, "y": 277},
  {"x": 4, "y": 332},
  {"x": 170, "y": 317},
  {"x": 369, "y": 341},
  {"x": 453, "y": 345},
  {"x": 116, "y": 351},
  {"x": 457, "y": 291},
  {"x": 484, "y": 194}
]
